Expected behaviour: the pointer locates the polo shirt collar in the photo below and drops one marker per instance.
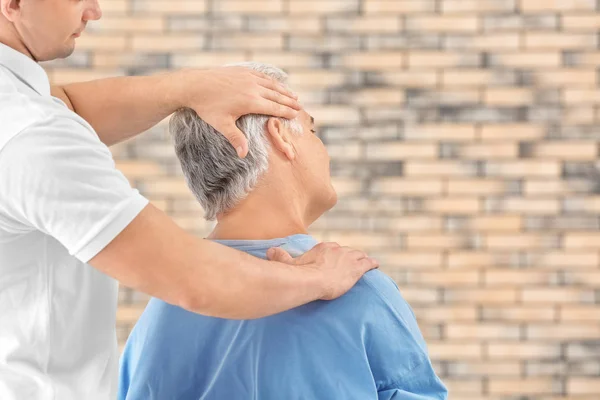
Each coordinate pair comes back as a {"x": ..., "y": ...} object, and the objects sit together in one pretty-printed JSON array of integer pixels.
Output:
[{"x": 25, "y": 69}]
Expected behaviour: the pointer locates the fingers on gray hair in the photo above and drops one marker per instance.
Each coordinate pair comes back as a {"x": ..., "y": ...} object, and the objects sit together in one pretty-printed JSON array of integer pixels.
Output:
[{"x": 217, "y": 177}]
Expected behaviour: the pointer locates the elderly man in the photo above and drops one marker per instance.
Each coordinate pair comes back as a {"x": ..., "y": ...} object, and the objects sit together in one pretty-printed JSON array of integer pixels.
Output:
[{"x": 365, "y": 345}]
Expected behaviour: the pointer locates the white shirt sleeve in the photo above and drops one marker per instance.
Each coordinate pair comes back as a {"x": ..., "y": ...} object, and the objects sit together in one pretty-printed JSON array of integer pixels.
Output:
[{"x": 59, "y": 178}]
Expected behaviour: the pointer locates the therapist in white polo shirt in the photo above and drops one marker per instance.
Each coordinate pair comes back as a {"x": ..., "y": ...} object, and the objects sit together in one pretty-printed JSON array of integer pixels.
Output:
[{"x": 71, "y": 226}]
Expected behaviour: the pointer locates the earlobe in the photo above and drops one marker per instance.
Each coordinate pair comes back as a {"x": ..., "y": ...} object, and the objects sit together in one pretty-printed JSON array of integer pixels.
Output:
[{"x": 280, "y": 138}]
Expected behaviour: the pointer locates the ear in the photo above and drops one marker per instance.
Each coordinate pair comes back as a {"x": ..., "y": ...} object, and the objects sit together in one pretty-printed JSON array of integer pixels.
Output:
[
  {"x": 280, "y": 138},
  {"x": 10, "y": 8}
]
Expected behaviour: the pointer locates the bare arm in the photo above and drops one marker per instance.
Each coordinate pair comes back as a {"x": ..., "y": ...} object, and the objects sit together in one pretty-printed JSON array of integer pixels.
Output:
[
  {"x": 120, "y": 108},
  {"x": 157, "y": 257}
]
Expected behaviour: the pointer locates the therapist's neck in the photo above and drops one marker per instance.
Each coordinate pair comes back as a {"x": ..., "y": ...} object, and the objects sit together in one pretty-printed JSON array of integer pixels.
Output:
[
  {"x": 10, "y": 38},
  {"x": 265, "y": 214}
]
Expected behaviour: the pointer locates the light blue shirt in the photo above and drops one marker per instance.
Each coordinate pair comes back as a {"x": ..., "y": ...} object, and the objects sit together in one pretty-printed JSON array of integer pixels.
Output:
[{"x": 364, "y": 345}]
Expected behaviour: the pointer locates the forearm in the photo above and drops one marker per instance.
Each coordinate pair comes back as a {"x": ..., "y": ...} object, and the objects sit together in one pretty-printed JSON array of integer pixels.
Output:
[
  {"x": 248, "y": 287},
  {"x": 155, "y": 256},
  {"x": 120, "y": 108}
]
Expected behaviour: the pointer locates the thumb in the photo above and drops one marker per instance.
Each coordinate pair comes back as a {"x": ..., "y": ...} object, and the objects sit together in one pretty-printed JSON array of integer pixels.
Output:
[
  {"x": 279, "y": 255},
  {"x": 237, "y": 139}
]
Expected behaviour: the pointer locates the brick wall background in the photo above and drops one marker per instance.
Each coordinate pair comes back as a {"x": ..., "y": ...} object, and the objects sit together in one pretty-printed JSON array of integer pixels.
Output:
[{"x": 464, "y": 137}]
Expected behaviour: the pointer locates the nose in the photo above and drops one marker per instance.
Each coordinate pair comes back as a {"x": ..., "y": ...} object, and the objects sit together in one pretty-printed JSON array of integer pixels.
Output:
[{"x": 93, "y": 12}]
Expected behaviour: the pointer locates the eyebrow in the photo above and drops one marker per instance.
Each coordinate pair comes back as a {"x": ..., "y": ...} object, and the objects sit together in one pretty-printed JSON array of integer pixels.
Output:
[{"x": 312, "y": 120}]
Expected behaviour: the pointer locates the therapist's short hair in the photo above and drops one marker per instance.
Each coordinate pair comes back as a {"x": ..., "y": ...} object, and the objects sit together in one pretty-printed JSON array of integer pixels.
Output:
[{"x": 217, "y": 177}]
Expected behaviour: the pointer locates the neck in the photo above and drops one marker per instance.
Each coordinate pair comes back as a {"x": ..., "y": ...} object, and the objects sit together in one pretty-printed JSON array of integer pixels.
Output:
[
  {"x": 10, "y": 38},
  {"x": 264, "y": 215}
]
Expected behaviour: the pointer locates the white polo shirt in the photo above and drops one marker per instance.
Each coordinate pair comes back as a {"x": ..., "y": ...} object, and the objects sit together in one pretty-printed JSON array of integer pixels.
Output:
[{"x": 61, "y": 202}]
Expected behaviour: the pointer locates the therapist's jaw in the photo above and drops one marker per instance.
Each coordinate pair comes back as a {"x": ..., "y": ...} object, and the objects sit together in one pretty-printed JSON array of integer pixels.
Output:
[
  {"x": 45, "y": 29},
  {"x": 279, "y": 189}
]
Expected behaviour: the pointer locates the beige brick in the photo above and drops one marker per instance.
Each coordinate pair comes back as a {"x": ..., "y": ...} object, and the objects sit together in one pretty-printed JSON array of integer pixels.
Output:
[
  {"x": 377, "y": 97},
  {"x": 485, "y": 369},
  {"x": 367, "y": 25},
  {"x": 557, "y": 5},
  {"x": 248, "y": 6},
  {"x": 249, "y": 42},
  {"x": 414, "y": 223},
  {"x": 467, "y": 77},
  {"x": 522, "y": 386},
  {"x": 490, "y": 151},
  {"x": 410, "y": 78},
  {"x": 511, "y": 278},
  {"x": 335, "y": 115},
  {"x": 496, "y": 41},
  {"x": 481, "y": 296},
  {"x": 139, "y": 169},
  {"x": 443, "y": 23},
  {"x": 442, "y": 314},
  {"x": 408, "y": 187},
  {"x": 454, "y": 350},
  {"x": 478, "y": 6},
  {"x": 454, "y": 132},
  {"x": 556, "y": 295},
  {"x": 288, "y": 60},
  {"x": 519, "y": 313},
  {"x": 129, "y": 314},
  {"x": 567, "y": 151},
  {"x": 207, "y": 59},
  {"x": 101, "y": 42},
  {"x": 476, "y": 187},
  {"x": 445, "y": 278},
  {"x": 567, "y": 77},
  {"x": 522, "y": 351},
  {"x": 433, "y": 59},
  {"x": 531, "y": 206},
  {"x": 456, "y": 205},
  {"x": 588, "y": 59},
  {"x": 411, "y": 260},
  {"x": 530, "y": 59},
  {"x": 579, "y": 385},
  {"x": 469, "y": 260},
  {"x": 537, "y": 187},
  {"x": 547, "y": 331},
  {"x": 398, "y": 6},
  {"x": 516, "y": 241},
  {"x": 581, "y": 22},
  {"x": 575, "y": 240},
  {"x": 552, "y": 41},
  {"x": 171, "y": 6},
  {"x": 167, "y": 42},
  {"x": 482, "y": 331},
  {"x": 497, "y": 223},
  {"x": 374, "y": 60},
  {"x": 112, "y": 7},
  {"x": 579, "y": 115},
  {"x": 346, "y": 151},
  {"x": 170, "y": 187},
  {"x": 580, "y": 259},
  {"x": 401, "y": 151},
  {"x": 415, "y": 241},
  {"x": 437, "y": 168},
  {"x": 532, "y": 168},
  {"x": 508, "y": 97},
  {"x": 581, "y": 96},
  {"x": 321, "y": 7},
  {"x": 508, "y": 132},
  {"x": 316, "y": 78},
  {"x": 130, "y": 24},
  {"x": 579, "y": 313}
]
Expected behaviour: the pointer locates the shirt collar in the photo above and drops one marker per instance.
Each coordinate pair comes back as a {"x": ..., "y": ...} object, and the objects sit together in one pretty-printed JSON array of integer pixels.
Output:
[{"x": 25, "y": 69}]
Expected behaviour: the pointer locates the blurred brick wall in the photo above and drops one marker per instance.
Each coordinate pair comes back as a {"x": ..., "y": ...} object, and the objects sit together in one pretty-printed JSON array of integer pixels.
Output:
[{"x": 464, "y": 136}]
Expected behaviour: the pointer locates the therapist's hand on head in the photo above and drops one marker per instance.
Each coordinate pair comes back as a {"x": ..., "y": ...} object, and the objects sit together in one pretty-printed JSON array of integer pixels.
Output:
[
  {"x": 341, "y": 267},
  {"x": 228, "y": 93}
]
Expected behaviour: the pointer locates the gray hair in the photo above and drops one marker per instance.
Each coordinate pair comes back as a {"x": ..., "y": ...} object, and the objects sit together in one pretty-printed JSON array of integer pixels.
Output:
[{"x": 217, "y": 177}]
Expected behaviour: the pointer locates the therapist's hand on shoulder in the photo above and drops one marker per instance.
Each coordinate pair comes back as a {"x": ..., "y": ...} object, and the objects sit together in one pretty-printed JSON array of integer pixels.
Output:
[
  {"x": 340, "y": 267},
  {"x": 227, "y": 93}
]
